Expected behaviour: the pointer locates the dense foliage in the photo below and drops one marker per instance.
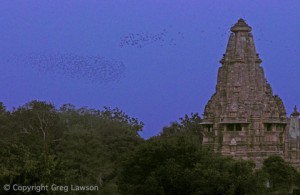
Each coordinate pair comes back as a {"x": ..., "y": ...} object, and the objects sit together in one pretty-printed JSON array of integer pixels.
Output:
[
  {"x": 41, "y": 144},
  {"x": 178, "y": 165},
  {"x": 44, "y": 145}
]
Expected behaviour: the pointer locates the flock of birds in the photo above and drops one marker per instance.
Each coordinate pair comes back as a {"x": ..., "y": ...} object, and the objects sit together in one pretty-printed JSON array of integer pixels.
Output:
[
  {"x": 94, "y": 68},
  {"x": 140, "y": 40},
  {"x": 98, "y": 68},
  {"x": 90, "y": 68}
]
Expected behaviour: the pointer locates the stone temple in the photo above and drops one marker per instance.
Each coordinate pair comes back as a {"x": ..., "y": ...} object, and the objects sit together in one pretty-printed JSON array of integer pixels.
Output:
[{"x": 243, "y": 118}]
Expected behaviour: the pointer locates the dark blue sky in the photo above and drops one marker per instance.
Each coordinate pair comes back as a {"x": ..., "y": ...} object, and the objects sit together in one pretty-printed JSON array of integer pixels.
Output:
[{"x": 156, "y": 60}]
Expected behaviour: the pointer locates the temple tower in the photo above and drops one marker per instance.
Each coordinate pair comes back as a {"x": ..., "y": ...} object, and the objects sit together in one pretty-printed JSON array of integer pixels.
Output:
[
  {"x": 292, "y": 143},
  {"x": 243, "y": 118}
]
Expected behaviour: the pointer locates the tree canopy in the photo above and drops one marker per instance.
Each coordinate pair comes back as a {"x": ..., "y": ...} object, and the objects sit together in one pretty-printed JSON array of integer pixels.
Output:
[
  {"x": 44, "y": 145},
  {"x": 177, "y": 165}
]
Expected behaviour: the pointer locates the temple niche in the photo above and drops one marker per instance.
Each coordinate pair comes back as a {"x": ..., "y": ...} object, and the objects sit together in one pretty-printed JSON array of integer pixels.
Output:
[{"x": 243, "y": 118}]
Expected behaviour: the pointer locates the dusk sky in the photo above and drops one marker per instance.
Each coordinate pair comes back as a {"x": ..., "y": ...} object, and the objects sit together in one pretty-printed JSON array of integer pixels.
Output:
[{"x": 156, "y": 60}]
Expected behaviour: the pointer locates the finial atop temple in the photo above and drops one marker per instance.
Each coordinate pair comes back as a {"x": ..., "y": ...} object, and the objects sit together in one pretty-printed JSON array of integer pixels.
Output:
[
  {"x": 241, "y": 25},
  {"x": 295, "y": 113}
]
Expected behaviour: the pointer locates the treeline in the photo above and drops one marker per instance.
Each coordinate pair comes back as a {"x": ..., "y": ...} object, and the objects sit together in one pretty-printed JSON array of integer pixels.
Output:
[
  {"x": 44, "y": 145},
  {"x": 41, "y": 144}
]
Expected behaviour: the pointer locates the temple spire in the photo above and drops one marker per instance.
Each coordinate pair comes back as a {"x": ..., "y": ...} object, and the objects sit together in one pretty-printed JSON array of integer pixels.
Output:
[
  {"x": 242, "y": 90},
  {"x": 241, "y": 47},
  {"x": 241, "y": 26},
  {"x": 295, "y": 113}
]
